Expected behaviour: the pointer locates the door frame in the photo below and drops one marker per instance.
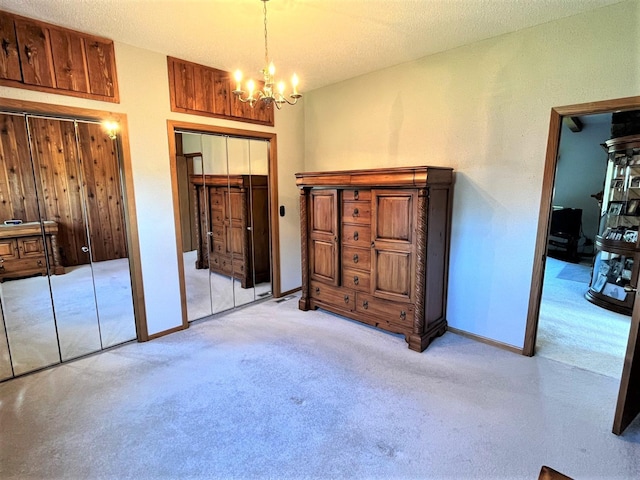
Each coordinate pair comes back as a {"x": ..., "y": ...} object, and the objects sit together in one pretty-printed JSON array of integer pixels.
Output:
[
  {"x": 629, "y": 375},
  {"x": 135, "y": 265},
  {"x": 175, "y": 125}
]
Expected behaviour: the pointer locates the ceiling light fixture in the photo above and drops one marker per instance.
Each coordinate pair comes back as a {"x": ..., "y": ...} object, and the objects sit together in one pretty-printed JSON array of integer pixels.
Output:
[{"x": 267, "y": 95}]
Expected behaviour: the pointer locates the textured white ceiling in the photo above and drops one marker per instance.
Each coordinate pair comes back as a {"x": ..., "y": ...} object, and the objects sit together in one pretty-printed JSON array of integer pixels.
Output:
[{"x": 324, "y": 41}]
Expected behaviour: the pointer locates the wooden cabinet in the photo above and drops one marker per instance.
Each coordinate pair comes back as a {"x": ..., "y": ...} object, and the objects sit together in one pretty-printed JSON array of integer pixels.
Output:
[
  {"x": 202, "y": 90},
  {"x": 232, "y": 226},
  {"x": 40, "y": 56},
  {"x": 23, "y": 252},
  {"x": 375, "y": 247}
]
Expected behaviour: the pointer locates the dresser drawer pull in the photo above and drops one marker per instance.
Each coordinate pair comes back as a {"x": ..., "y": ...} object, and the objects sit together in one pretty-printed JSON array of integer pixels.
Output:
[
  {"x": 355, "y": 236},
  {"x": 365, "y": 304},
  {"x": 317, "y": 290},
  {"x": 39, "y": 263},
  {"x": 346, "y": 299},
  {"x": 355, "y": 258},
  {"x": 356, "y": 280},
  {"x": 356, "y": 212},
  {"x": 356, "y": 194},
  {"x": 403, "y": 315}
]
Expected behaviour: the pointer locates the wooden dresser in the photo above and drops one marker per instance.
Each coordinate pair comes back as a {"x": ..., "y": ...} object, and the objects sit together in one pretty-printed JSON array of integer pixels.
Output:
[
  {"x": 375, "y": 247},
  {"x": 233, "y": 213},
  {"x": 23, "y": 252}
]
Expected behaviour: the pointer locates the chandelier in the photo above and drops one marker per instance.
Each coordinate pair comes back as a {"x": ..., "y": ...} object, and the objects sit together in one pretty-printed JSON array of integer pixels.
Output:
[{"x": 268, "y": 95}]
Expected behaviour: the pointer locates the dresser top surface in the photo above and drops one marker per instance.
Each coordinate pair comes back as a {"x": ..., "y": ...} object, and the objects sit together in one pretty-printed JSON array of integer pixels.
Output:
[{"x": 419, "y": 176}]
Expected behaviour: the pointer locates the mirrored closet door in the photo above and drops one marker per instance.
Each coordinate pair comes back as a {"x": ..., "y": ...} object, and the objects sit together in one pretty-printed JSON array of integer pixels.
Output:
[
  {"x": 65, "y": 285},
  {"x": 224, "y": 212}
]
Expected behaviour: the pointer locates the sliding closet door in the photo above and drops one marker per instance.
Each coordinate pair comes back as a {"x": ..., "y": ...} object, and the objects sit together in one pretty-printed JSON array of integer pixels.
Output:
[
  {"x": 215, "y": 171},
  {"x": 27, "y": 310},
  {"x": 229, "y": 198},
  {"x": 60, "y": 183},
  {"x": 104, "y": 207},
  {"x": 65, "y": 285}
]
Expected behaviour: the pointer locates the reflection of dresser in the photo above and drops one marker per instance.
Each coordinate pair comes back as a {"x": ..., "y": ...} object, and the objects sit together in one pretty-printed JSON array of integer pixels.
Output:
[
  {"x": 23, "y": 252},
  {"x": 233, "y": 213}
]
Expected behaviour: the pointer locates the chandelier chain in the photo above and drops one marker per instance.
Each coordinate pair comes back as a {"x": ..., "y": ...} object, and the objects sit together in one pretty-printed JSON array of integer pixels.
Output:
[{"x": 266, "y": 48}]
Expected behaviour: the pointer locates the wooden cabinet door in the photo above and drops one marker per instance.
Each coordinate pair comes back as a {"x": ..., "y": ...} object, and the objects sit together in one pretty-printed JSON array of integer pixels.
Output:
[
  {"x": 101, "y": 68},
  {"x": 9, "y": 61},
  {"x": 323, "y": 236},
  {"x": 34, "y": 48},
  {"x": 393, "y": 223},
  {"x": 67, "y": 49}
]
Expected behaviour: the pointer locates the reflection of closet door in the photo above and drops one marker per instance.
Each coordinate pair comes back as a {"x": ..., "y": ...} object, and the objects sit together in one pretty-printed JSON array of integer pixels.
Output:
[
  {"x": 61, "y": 186},
  {"x": 27, "y": 312},
  {"x": 107, "y": 234}
]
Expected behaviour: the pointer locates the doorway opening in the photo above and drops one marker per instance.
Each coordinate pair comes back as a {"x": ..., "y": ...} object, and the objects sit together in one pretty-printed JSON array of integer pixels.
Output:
[{"x": 628, "y": 405}]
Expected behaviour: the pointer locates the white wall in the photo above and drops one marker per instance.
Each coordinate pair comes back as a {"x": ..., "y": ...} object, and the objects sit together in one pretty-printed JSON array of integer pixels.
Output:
[
  {"x": 144, "y": 95},
  {"x": 484, "y": 110},
  {"x": 582, "y": 165}
]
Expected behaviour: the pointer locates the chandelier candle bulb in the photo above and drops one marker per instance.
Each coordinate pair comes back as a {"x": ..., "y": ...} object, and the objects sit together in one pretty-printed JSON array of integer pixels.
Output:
[{"x": 238, "y": 77}]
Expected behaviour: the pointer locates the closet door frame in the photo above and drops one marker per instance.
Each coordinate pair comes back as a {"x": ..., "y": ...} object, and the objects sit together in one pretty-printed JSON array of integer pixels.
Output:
[
  {"x": 174, "y": 126},
  {"x": 80, "y": 114}
]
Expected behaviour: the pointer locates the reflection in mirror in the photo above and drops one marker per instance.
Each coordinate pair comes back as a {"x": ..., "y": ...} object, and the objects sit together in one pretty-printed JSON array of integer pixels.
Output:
[
  {"x": 26, "y": 302},
  {"x": 5, "y": 358},
  {"x": 105, "y": 223},
  {"x": 228, "y": 202},
  {"x": 60, "y": 193},
  {"x": 64, "y": 199}
]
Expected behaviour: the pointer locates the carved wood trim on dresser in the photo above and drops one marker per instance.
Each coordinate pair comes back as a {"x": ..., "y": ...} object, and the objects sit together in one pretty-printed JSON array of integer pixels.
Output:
[{"x": 375, "y": 247}]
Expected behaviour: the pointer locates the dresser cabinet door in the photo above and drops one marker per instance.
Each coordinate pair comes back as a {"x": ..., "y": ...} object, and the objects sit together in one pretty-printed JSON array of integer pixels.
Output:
[
  {"x": 323, "y": 236},
  {"x": 394, "y": 214}
]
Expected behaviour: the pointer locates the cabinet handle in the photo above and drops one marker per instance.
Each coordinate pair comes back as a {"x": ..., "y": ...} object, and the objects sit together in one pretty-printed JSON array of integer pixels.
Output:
[
  {"x": 85, "y": 249},
  {"x": 365, "y": 304},
  {"x": 356, "y": 212},
  {"x": 355, "y": 258},
  {"x": 317, "y": 289},
  {"x": 355, "y": 236},
  {"x": 356, "y": 194},
  {"x": 403, "y": 315},
  {"x": 356, "y": 280},
  {"x": 346, "y": 299},
  {"x": 209, "y": 234}
]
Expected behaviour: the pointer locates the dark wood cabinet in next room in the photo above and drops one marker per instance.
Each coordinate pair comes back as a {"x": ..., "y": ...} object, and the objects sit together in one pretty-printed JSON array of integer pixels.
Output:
[{"x": 375, "y": 247}]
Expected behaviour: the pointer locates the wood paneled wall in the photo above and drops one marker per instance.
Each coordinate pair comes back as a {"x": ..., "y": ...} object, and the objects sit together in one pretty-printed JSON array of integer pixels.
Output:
[
  {"x": 101, "y": 175},
  {"x": 17, "y": 188},
  {"x": 65, "y": 171}
]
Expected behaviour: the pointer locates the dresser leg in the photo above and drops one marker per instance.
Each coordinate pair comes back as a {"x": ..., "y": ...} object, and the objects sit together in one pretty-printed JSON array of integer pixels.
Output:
[{"x": 419, "y": 342}]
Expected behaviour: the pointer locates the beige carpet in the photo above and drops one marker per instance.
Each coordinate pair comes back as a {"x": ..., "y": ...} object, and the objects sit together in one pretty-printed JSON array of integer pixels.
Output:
[
  {"x": 86, "y": 319},
  {"x": 209, "y": 293},
  {"x": 573, "y": 330}
]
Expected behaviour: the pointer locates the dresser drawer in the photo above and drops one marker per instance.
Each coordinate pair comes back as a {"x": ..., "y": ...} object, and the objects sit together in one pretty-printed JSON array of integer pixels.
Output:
[
  {"x": 340, "y": 297},
  {"x": 219, "y": 247},
  {"x": 217, "y": 216},
  {"x": 355, "y": 195},
  {"x": 356, "y": 279},
  {"x": 398, "y": 313},
  {"x": 358, "y": 258},
  {"x": 216, "y": 200},
  {"x": 356, "y": 212},
  {"x": 24, "y": 267},
  {"x": 357, "y": 235}
]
